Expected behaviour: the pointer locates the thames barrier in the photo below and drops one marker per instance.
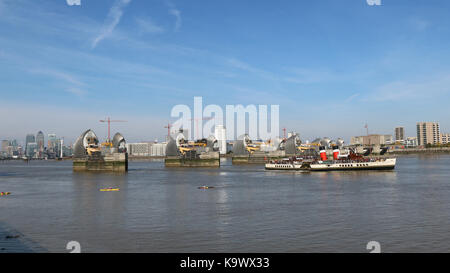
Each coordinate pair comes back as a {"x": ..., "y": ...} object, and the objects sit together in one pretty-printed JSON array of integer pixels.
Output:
[{"x": 109, "y": 156}]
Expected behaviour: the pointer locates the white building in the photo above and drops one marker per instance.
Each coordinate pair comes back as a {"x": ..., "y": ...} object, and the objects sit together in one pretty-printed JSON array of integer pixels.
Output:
[
  {"x": 445, "y": 138},
  {"x": 411, "y": 142},
  {"x": 158, "y": 149},
  {"x": 220, "y": 133},
  {"x": 146, "y": 149}
]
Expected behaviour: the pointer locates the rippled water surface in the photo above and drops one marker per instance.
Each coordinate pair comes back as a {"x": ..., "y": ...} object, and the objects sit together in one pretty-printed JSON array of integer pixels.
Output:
[{"x": 161, "y": 209}]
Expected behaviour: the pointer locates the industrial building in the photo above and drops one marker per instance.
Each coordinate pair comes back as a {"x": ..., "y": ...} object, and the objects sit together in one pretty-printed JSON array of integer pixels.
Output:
[
  {"x": 147, "y": 149},
  {"x": 371, "y": 140}
]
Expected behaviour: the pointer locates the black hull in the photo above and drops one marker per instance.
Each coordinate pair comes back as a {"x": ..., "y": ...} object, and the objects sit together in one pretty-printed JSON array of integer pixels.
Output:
[
  {"x": 355, "y": 169},
  {"x": 387, "y": 168}
]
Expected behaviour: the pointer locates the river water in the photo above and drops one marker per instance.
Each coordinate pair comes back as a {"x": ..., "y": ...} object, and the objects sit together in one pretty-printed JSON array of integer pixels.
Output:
[{"x": 161, "y": 209}]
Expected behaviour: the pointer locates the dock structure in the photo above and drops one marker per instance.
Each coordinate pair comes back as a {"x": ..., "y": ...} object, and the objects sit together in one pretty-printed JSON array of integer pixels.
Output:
[
  {"x": 89, "y": 156},
  {"x": 200, "y": 153}
]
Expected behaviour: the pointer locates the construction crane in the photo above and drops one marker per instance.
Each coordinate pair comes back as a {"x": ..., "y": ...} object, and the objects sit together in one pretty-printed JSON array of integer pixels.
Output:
[
  {"x": 108, "y": 142},
  {"x": 168, "y": 130},
  {"x": 284, "y": 133},
  {"x": 196, "y": 123}
]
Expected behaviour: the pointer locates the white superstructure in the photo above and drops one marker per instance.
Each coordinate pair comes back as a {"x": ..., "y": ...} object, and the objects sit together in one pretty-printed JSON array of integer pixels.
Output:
[{"x": 372, "y": 164}]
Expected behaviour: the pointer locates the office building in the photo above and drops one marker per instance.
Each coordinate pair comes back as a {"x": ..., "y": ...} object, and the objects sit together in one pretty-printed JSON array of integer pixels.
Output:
[
  {"x": 32, "y": 150},
  {"x": 29, "y": 139},
  {"x": 40, "y": 142},
  {"x": 53, "y": 146}
]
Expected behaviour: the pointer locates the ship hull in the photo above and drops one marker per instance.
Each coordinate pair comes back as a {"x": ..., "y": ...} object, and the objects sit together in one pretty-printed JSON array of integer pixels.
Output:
[
  {"x": 292, "y": 167},
  {"x": 387, "y": 164}
]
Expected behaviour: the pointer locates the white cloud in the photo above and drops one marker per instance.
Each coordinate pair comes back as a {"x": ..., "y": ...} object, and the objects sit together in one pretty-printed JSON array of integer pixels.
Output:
[
  {"x": 57, "y": 74},
  {"x": 146, "y": 25},
  {"x": 112, "y": 20},
  {"x": 175, "y": 12},
  {"x": 177, "y": 15},
  {"x": 74, "y": 2},
  {"x": 352, "y": 97},
  {"x": 246, "y": 67},
  {"x": 76, "y": 91},
  {"x": 73, "y": 85}
]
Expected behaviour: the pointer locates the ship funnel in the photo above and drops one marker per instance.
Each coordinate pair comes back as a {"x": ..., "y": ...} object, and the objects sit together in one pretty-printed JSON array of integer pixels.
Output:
[
  {"x": 323, "y": 153},
  {"x": 336, "y": 152}
]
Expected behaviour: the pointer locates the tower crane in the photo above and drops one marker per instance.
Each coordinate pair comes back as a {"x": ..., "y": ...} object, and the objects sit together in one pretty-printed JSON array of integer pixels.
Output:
[{"x": 108, "y": 120}]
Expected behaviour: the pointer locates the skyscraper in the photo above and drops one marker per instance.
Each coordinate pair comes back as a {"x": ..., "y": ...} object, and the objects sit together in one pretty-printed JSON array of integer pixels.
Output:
[
  {"x": 32, "y": 149},
  {"x": 399, "y": 134},
  {"x": 53, "y": 145},
  {"x": 29, "y": 139},
  {"x": 40, "y": 143},
  {"x": 428, "y": 133}
]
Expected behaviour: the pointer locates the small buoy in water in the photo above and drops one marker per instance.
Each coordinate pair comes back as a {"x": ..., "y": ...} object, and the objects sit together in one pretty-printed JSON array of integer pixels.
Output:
[
  {"x": 4, "y": 193},
  {"x": 110, "y": 189},
  {"x": 205, "y": 187}
]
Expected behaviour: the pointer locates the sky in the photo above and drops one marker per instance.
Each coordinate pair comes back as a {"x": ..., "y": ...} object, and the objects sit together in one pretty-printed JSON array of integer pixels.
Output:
[{"x": 331, "y": 66}]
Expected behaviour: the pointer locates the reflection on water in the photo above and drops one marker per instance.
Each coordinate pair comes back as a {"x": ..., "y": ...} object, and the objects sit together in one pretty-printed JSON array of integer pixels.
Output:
[{"x": 249, "y": 209}]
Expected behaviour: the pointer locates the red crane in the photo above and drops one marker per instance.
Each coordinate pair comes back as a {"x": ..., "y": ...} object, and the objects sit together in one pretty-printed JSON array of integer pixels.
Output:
[
  {"x": 168, "y": 129},
  {"x": 109, "y": 126},
  {"x": 284, "y": 133},
  {"x": 196, "y": 123}
]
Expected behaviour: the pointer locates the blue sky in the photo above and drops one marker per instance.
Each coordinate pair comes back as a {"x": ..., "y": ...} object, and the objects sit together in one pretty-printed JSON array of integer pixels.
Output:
[{"x": 332, "y": 66}]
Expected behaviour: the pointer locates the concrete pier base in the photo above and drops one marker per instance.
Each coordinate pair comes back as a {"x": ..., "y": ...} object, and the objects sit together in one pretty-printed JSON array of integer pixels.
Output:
[
  {"x": 116, "y": 162},
  {"x": 258, "y": 157},
  {"x": 210, "y": 159}
]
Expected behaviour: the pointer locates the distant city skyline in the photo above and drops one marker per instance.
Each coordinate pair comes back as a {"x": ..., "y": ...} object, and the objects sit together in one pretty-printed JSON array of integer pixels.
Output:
[{"x": 332, "y": 66}]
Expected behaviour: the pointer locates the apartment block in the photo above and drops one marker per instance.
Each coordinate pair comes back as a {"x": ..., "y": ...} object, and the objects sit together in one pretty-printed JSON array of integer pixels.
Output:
[{"x": 428, "y": 133}]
